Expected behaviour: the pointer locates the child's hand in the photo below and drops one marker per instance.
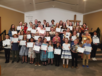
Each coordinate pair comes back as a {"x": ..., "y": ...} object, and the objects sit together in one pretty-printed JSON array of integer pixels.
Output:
[
  {"x": 11, "y": 42},
  {"x": 18, "y": 41}
]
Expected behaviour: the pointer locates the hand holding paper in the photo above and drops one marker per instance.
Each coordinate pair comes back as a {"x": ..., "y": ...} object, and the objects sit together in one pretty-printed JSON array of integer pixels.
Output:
[
  {"x": 43, "y": 47},
  {"x": 57, "y": 51},
  {"x": 36, "y": 48},
  {"x": 22, "y": 42},
  {"x": 30, "y": 44}
]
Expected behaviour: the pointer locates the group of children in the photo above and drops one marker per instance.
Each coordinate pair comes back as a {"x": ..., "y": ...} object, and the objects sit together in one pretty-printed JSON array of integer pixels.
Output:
[{"x": 74, "y": 37}]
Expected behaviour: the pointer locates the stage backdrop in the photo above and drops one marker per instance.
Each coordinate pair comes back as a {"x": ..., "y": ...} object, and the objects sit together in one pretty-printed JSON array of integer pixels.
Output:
[{"x": 52, "y": 13}]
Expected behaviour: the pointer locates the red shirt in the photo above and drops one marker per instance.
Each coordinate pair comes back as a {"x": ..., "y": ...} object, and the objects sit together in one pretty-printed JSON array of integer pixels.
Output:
[{"x": 25, "y": 29}]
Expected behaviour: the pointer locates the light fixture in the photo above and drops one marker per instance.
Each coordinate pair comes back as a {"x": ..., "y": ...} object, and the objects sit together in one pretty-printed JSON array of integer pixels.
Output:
[{"x": 84, "y": 0}]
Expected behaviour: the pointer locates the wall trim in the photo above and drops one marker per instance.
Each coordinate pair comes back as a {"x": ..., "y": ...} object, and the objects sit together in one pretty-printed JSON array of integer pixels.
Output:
[
  {"x": 93, "y": 12},
  {"x": 11, "y": 8}
]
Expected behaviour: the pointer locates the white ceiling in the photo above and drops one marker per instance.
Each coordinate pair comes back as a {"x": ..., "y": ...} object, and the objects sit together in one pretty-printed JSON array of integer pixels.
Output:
[{"x": 72, "y": 5}]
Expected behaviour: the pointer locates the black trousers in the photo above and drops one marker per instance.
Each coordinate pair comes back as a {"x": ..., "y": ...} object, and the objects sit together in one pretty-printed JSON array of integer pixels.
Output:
[
  {"x": 37, "y": 59},
  {"x": 7, "y": 54},
  {"x": 94, "y": 49},
  {"x": 57, "y": 59},
  {"x": 74, "y": 56}
]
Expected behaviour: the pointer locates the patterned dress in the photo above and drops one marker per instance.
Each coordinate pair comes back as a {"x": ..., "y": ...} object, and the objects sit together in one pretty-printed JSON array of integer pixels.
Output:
[
  {"x": 44, "y": 54},
  {"x": 50, "y": 54}
]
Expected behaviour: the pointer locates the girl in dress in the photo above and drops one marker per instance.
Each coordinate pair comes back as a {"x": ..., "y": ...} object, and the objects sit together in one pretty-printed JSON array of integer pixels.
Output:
[
  {"x": 31, "y": 53},
  {"x": 50, "y": 54},
  {"x": 52, "y": 33},
  {"x": 44, "y": 55},
  {"x": 24, "y": 50},
  {"x": 66, "y": 54}
]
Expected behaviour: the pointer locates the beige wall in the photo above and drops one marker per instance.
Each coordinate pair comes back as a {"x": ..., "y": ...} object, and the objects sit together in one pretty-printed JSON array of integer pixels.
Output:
[
  {"x": 94, "y": 20},
  {"x": 9, "y": 17}
]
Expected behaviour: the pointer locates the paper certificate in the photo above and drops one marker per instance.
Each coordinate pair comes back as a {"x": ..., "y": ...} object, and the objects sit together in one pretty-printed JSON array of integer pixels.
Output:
[
  {"x": 33, "y": 31},
  {"x": 29, "y": 44},
  {"x": 88, "y": 49},
  {"x": 96, "y": 40},
  {"x": 28, "y": 36},
  {"x": 62, "y": 30},
  {"x": 70, "y": 27},
  {"x": 36, "y": 48},
  {"x": 6, "y": 42},
  {"x": 58, "y": 29},
  {"x": 18, "y": 27},
  {"x": 29, "y": 29},
  {"x": 48, "y": 38},
  {"x": 36, "y": 37},
  {"x": 50, "y": 49},
  {"x": 57, "y": 51},
  {"x": 22, "y": 42},
  {"x": 81, "y": 50},
  {"x": 43, "y": 47},
  {"x": 66, "y": 46},
  {"x": 78, "y": 34},
  {"x": 14, "y": 32},
  {"x": 47, "y": 28},
  {"x": 20, "y": 37},
  {"x": 42, "y": 31},
  {"x": 14, "y": 40},
  {"x": 67, "y": 33},
  {"x": 73, "y": 38}
]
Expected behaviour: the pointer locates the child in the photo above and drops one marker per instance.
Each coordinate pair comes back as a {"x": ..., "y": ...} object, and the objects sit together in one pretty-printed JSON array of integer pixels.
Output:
[
  {"x": 57, "y": 56},
  {"x": 7, "y": 49},
  {"x": 44, "y": 56},
  {"x": 86, "y": 54},
  {"x": 15, "y": 49},
  {"x": 74, "y": 53},
  {"x": 24, "y": 51},
  {"x": 66, "y": 54},
  {"x": 37, "y": 59},
  {"x": 50, "y": 54},
  {"x": 12, "y": 28},
  {"x": 31, "y": 53}
]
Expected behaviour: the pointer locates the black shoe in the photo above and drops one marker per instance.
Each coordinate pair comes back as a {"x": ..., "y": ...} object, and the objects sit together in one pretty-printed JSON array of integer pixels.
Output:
[
  {"x": 18, "y": 61},
  {"x": 12, "y": 61},
  {"x": 6, "y": 62}
]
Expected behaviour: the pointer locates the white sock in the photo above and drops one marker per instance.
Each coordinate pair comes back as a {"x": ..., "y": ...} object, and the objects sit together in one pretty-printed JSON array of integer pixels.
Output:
[
  {"x": 63, "y": 61},
  {"x": 67, "y": 61}
]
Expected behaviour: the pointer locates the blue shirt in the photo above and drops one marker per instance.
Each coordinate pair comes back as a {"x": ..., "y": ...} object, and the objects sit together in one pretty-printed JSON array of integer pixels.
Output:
[{"x": 85, "y": 52}]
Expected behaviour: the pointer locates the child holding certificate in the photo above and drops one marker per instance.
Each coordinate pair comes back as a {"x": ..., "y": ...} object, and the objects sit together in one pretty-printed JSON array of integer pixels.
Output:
[
  {"x": 66, "y": 53},
  {"x": 74, "y": 53},
  {"x": 31, "y": 53},
  {"x": 86, "y": 53},
  {"x": 50, "y": 53},
  {"x": 15, "y": 49},
  {"x": 7, "y": 49},
  {"x": 57, "y": 56},
  {"x": 24, "y": 50},
  {"x": 44, "y": 55}
]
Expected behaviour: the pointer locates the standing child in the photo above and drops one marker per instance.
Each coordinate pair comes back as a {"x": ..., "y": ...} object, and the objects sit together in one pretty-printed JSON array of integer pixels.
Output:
[
  {"x": 66, "y": 54},
  {"x": 44, "y": 56},
  {"x": 15, "y": 49},
  {"x": 86, "y": 54},
  {"x": 37, "y": 59},
  {"x": 74, "y": 53},
  {"x": 57, "y": 56},
  {"x": 24, "y": 51},
  {"x": 7, "y": 49},
  {"x": 31, "y": 53},
  {"x": 50, "y": 54}
]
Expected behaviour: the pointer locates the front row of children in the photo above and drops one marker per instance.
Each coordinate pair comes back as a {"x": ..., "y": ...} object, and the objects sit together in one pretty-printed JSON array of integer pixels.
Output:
[{"x": 43, "y": 55}]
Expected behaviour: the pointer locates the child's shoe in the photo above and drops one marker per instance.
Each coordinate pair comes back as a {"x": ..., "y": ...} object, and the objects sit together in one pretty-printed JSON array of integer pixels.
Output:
[
  {"x": 83, "y": 65},
  {"x": 87, "y": 66},
  {"x": 63, "y": 65},
  {"x": 35, "y": 64},
  {"x": 66, "y": 66},
  {"x": 39, "y": 64}
]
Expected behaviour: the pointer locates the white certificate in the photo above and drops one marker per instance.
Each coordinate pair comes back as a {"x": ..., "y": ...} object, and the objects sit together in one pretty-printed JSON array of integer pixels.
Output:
[
  {"x": 73, "y": 38},
  {"x": 66, "y": 46},
  {"x": 15, "y": 40},
  {"x": 50, "y": 49},
  {"x": 28, "y": 36},
  {"x": 81, "y": 50},
  {"x": 48, "y": 38},
  {"x": 23, "y": 42},
  {"x": 33, "y": 31},
  {"x": 43, "y": 47},
  {"x": 62, "y": 30},
  {"x": 29, "y": 44},
  {"x": 47, "y": 28},
  {"x": 58, "y": 29},
  {"x": 36, "y": 37},
  {"x": 67, "y": 37},
  {"x": 96, "y": 40},
  {"x": 36, "y": 48},
  {"x": 42, "y": 31},
  {"x": 78, "y": 34},
  {"x": 70, "y": 27},
  {"x": 88, "y": 49},
  {"x": 14, "y": 32},
  {"x": 18, "y": 27},
  {"x": 29, "y": 29},
  {"x": 68, "y": 33},
  {"x": 6, "y": 42},
  {"x": 20, "y": 37},
  {"x": 57, "y": 51}
]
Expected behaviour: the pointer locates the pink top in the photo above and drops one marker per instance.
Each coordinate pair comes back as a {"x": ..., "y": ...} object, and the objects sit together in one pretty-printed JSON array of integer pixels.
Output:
[{"x": 56, "y": 39}]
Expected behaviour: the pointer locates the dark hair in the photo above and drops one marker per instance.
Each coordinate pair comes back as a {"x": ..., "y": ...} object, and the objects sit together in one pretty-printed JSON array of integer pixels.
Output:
[
  {"x": 53, "y": 20},
  {"x": 12, "y": 28},
  {"x": 44, "y": 20}
]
